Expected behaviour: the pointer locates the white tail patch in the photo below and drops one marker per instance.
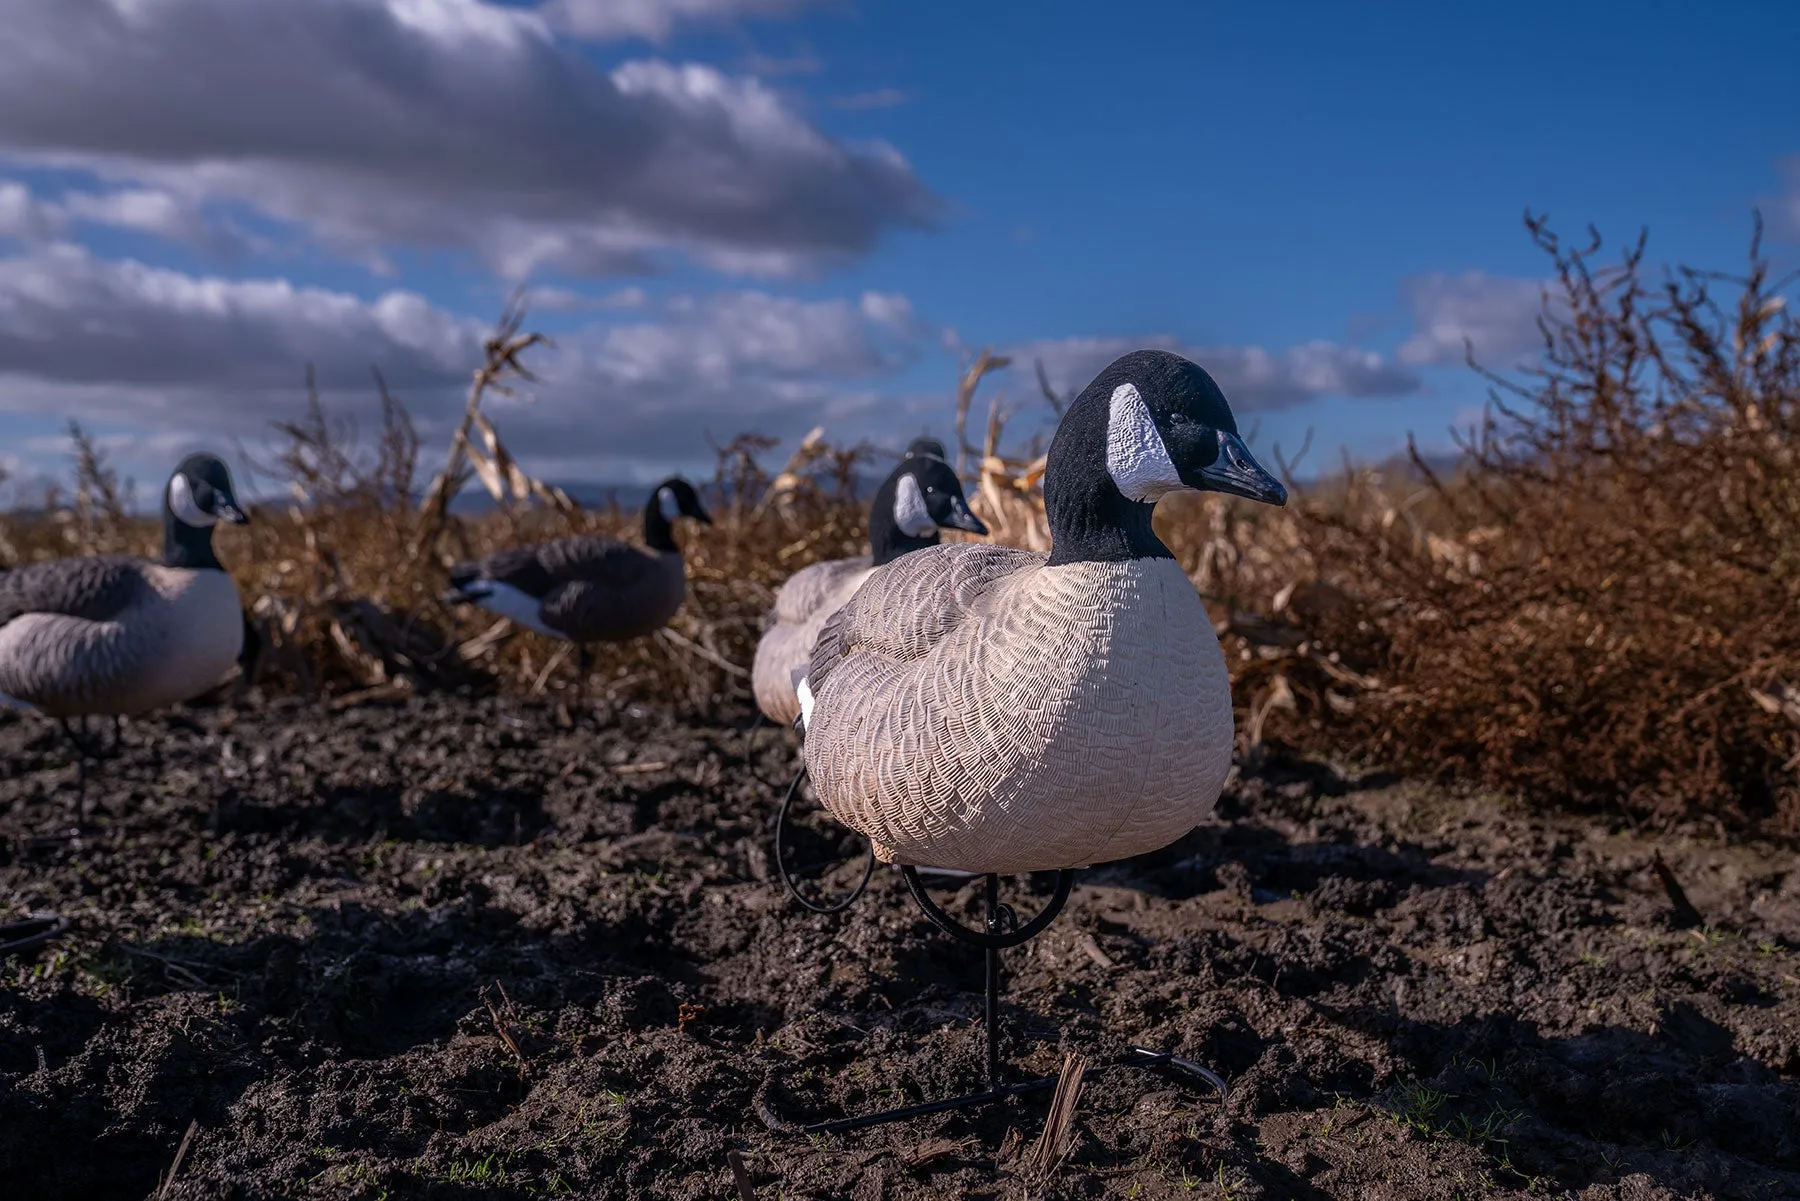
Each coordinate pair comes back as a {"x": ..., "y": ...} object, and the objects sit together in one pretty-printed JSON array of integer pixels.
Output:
[
  {"x": 182, "y": 504},
  {"x": 803, "y": 690},
  {"x": 910, "y": 513},
  {"x": 507, "y": 601},
  {"x": 1136, "y": 458}
]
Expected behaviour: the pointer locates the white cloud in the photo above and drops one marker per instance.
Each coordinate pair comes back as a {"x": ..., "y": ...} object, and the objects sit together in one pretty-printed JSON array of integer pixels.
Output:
[
  {"x": 146, "y": 210},
  {"x": 889, "y": 309},
  {"x": 441, "y": 124},
  {"x": 25, "y": 218},
  {"x": 28, "y": 217},
  {"x": 548, "y": 298},
  {"x": 1495, "y": 316},
  {"x": 625, "y": 298},
  {"x": 1253, "y": 379},
  {"x": 69, "y": 317},
  {"x": 150, "y": 353},
  {"x": 718, "y": 365},
  {"x": 607, "y": 20}
]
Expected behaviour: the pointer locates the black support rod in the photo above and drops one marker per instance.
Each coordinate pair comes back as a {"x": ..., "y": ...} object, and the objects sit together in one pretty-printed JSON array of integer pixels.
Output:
[{"x": 992, "y": 1013}]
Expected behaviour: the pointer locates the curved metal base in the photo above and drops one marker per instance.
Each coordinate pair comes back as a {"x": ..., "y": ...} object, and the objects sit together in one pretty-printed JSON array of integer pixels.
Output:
[
  {"x": 36, "y": 930},
  {"x": 1003, "y": 929},
  {"x": 787, "y": 877},
  {"x": 1144, "y": 1057}
]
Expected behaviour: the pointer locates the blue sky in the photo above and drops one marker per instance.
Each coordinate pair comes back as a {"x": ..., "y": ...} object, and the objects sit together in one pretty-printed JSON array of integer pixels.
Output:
[{"x": 766, "y": 214}]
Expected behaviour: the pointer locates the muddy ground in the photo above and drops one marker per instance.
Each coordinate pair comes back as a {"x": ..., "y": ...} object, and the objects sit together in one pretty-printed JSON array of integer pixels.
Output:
[{"x": 453, "y": 948}]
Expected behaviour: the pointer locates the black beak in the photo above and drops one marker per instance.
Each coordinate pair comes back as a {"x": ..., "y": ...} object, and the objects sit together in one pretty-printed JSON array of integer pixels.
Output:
[
  {"x": 226, "y": 509},
  {"x": 1237, "y": 473},
  {"x": 701, "y": 516},
  {"x": 960, "y": 518}
]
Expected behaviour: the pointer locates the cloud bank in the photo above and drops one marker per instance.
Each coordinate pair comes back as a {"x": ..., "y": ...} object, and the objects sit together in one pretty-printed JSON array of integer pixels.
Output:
[
  {"x": 120, "y": 342},
  {"x": 1253, "y": 378},
  {"x": 443, "y": 125}
]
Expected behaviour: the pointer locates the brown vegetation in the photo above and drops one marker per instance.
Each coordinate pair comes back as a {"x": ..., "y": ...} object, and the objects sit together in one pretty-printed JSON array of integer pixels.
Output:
[
  {"x": 1600, "y": 606},
  {"x": 1595, "y": 608}
]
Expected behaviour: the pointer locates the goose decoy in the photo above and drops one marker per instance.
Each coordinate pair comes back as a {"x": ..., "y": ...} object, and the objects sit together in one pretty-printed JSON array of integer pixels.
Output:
[
  {"x": 1001, "y": 711},
  {"x": 921, "y": 496},
  {"x": 918, "y": 498},
  {"x": 116, "y": 635},
  {"x": 589, "y": 588}
]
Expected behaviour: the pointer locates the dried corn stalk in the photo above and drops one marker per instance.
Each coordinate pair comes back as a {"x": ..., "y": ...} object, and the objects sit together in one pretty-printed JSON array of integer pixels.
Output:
[
  {"x": 789, "y": 481},
  {"x": 504, "y": 480}
]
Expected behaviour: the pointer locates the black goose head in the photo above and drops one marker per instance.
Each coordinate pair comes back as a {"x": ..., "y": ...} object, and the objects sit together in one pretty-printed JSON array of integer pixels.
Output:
[
  {"x": 921, "y": 496},
  {"x": 672, "y": 498},
  {"x": 1152, "y": 423},
  {"x": 926, "y": 446},
  {"x": 198, "y": 497}
]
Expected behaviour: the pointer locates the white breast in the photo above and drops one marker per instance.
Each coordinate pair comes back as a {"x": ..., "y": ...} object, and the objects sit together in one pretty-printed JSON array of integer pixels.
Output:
[{"x": 194, "y": 628}]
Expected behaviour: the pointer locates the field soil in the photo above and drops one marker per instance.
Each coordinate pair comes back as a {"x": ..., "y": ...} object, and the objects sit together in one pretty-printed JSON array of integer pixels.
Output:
[{"x": 461, "y": 947}]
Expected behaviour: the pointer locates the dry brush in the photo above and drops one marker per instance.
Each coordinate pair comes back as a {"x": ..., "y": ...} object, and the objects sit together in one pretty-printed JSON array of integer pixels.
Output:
[{"x": 1593, "y": 608}]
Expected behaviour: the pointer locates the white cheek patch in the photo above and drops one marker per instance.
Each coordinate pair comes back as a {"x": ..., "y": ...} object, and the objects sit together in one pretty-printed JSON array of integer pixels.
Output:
[
  {"x": 910, "y": 513},
  {"x": 665, "y": 500},
  {"x": 186, "y": 509},
  {"x": 1136, "y": 458}
]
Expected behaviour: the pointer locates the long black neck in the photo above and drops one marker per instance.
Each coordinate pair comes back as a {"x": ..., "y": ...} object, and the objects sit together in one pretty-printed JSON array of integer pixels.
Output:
[
  {"x": 887, "y": 541},
  {"x": 189, "y": 546},
  {"x": 658, "y": 533},
  {"x": 1090, "y": 520}
]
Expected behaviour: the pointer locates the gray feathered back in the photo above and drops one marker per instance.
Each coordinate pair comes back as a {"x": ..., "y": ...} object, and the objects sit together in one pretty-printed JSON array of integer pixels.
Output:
[
  {"x": 96, "y": 588},
  {"x": 801, "y": 607}
]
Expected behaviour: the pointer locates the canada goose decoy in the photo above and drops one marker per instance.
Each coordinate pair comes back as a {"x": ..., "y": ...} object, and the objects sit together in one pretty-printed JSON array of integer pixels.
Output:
[
  {"x": 798, "y": 599},
  {"x": 116, "y": 635},
  {"x": 920, "y": 497},
  {"x": 1001, "y": 711},
  {"x": 589, "y": 588}
]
